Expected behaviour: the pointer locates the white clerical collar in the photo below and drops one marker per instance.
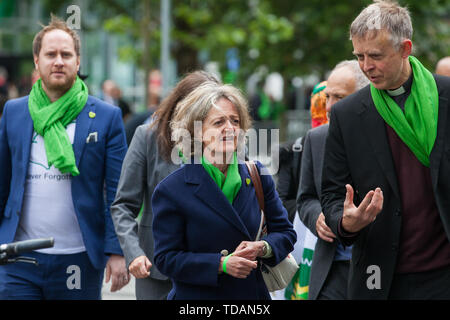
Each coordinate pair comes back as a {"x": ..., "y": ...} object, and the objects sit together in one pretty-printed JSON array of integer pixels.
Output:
[{"x": 396, "y": 92}]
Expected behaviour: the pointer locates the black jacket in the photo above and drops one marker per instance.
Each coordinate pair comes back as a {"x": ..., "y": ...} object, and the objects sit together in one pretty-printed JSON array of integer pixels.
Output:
[
  {"x": 289, "y": 174},
  {"x": 357, "y": 152}
]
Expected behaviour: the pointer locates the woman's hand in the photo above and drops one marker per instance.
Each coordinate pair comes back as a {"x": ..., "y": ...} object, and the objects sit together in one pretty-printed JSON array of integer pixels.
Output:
[
  {"x": 237, "y": 267},
  {"x": 140, "y": 267},
  {"x": 250, "y": 250}
]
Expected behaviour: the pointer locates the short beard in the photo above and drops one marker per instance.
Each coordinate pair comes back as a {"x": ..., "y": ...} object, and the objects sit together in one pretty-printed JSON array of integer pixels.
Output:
[{"x": 60, "y": 89}]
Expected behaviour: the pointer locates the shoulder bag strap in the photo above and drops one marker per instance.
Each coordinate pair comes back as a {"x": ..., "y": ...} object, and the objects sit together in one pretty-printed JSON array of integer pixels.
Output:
[{"x": 254, "y": 175}]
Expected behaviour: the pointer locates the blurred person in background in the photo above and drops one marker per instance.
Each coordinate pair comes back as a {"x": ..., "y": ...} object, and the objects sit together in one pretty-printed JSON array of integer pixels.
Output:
[
  {"x": 318, "y": 105},
  {"x": 272, "y": 106},
  {"x": 331, "y": 260},
  {"x": 106, "y": 94},
  {"x": 154, "y": 98},
  {"x": 443, "y": 67},
  {"x": 288, "y": 181},
  {"x": 121, "y": 103},
  {"x": 291, "y": 154},
  {"x": 112, "y": 94},
  {"x": 287, "y": 186}
]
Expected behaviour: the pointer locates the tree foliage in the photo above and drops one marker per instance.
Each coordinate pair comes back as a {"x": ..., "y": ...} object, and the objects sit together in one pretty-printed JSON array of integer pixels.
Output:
[{"x": 292, "y": 37}]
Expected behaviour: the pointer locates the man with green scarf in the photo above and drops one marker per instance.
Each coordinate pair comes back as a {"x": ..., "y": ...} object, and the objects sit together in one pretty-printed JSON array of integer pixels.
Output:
[
  {"x": 385, "y": 181},
  {"x": 61, "y": 152}
]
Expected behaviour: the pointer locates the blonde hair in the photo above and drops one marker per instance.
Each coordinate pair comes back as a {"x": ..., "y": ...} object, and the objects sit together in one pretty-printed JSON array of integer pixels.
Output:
[
  {"x": 55, "y": 24},
  {"x": 196, "y": 106}
]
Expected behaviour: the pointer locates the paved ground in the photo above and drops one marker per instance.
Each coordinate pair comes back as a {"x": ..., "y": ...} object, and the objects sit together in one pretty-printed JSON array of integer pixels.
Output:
[{"x": 126, "y": 293}]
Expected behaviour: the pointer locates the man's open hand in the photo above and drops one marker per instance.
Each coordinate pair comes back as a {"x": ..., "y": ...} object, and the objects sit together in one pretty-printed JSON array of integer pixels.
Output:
[{"x": 356, "y": 218}]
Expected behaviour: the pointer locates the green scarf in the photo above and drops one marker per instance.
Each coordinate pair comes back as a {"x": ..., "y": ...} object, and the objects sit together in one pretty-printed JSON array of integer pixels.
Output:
[
  {"x": 417, "y": 126},
  {"x": 51, "y": 118},
  {"x": 231, "y": 184}
]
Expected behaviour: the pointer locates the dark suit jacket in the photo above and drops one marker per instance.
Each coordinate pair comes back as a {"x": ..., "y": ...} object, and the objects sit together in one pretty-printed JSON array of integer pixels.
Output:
[
  {"x": 93, "y": 190},
  {"x": 289, "y": 173},
  {"x": 309, "y": 207},
  {"x": 358, "y": 153},
  {"x": 193, "y": 222}
]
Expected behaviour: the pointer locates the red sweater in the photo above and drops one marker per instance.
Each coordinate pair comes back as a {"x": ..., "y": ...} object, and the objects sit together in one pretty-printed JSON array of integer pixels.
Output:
[{"x": 423, "y": 245}]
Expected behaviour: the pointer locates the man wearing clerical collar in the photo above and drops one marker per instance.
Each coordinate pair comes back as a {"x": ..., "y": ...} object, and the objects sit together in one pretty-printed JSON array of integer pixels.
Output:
[{"x": 385, "y": 179}]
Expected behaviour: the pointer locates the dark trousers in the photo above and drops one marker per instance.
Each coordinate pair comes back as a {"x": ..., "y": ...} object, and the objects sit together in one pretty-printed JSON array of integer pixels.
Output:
[
  {"x": 335, "y": 286},
  {"x": 429, "y": 285},
  {"x": 152, "y": 289},
  {"x": 58, "y": 276}
]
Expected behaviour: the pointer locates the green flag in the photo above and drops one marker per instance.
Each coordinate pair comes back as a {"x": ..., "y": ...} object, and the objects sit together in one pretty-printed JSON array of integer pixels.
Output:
[{"x": 299, "y": 287}]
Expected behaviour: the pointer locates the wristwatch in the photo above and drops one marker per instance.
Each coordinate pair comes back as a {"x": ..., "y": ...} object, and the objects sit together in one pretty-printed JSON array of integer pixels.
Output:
[{"x": 264, "y": 250}]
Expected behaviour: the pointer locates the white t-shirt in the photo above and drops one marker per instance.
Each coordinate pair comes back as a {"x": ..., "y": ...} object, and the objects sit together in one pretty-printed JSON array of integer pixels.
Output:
[{"x": 48, "y": 209}]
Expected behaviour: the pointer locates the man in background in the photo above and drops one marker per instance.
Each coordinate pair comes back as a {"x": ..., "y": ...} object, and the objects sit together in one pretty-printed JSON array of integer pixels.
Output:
[
  {"x": 331, "y": 260},
  {"x": 443, "y": 67},
  {"x": 112, "y": 94}
]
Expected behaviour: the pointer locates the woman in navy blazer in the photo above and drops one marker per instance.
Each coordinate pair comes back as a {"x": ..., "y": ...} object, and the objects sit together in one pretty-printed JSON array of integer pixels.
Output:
[
  {"x": 143, "y": 168},
  {"x": 198, "y": 222}
]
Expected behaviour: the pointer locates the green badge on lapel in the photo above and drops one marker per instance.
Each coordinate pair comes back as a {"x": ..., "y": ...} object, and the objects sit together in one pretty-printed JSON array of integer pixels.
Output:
[
  {"x": 248, "y": 181},
  {"x": 91, "y": 115}
]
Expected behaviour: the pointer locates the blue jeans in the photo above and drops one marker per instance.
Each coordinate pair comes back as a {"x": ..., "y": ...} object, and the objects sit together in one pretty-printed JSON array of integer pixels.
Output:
[{"x": 57, "y": 277}]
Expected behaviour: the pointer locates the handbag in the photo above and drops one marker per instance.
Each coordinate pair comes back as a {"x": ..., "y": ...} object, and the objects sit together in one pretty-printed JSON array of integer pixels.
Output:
[{"x": 279, "y": 276}]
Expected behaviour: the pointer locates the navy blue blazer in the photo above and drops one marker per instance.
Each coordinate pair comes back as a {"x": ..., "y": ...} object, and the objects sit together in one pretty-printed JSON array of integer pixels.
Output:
[
  {"x": 193, "y": 222},
  {"x": 99, "y": 164}
]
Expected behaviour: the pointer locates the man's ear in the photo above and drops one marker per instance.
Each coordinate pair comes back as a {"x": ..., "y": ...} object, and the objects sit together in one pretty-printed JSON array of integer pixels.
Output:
[{"x": 406, "y": 48}]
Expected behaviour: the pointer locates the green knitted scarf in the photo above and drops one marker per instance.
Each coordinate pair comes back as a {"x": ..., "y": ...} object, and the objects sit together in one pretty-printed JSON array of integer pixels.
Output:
[{"x": 51, "y": 118}]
